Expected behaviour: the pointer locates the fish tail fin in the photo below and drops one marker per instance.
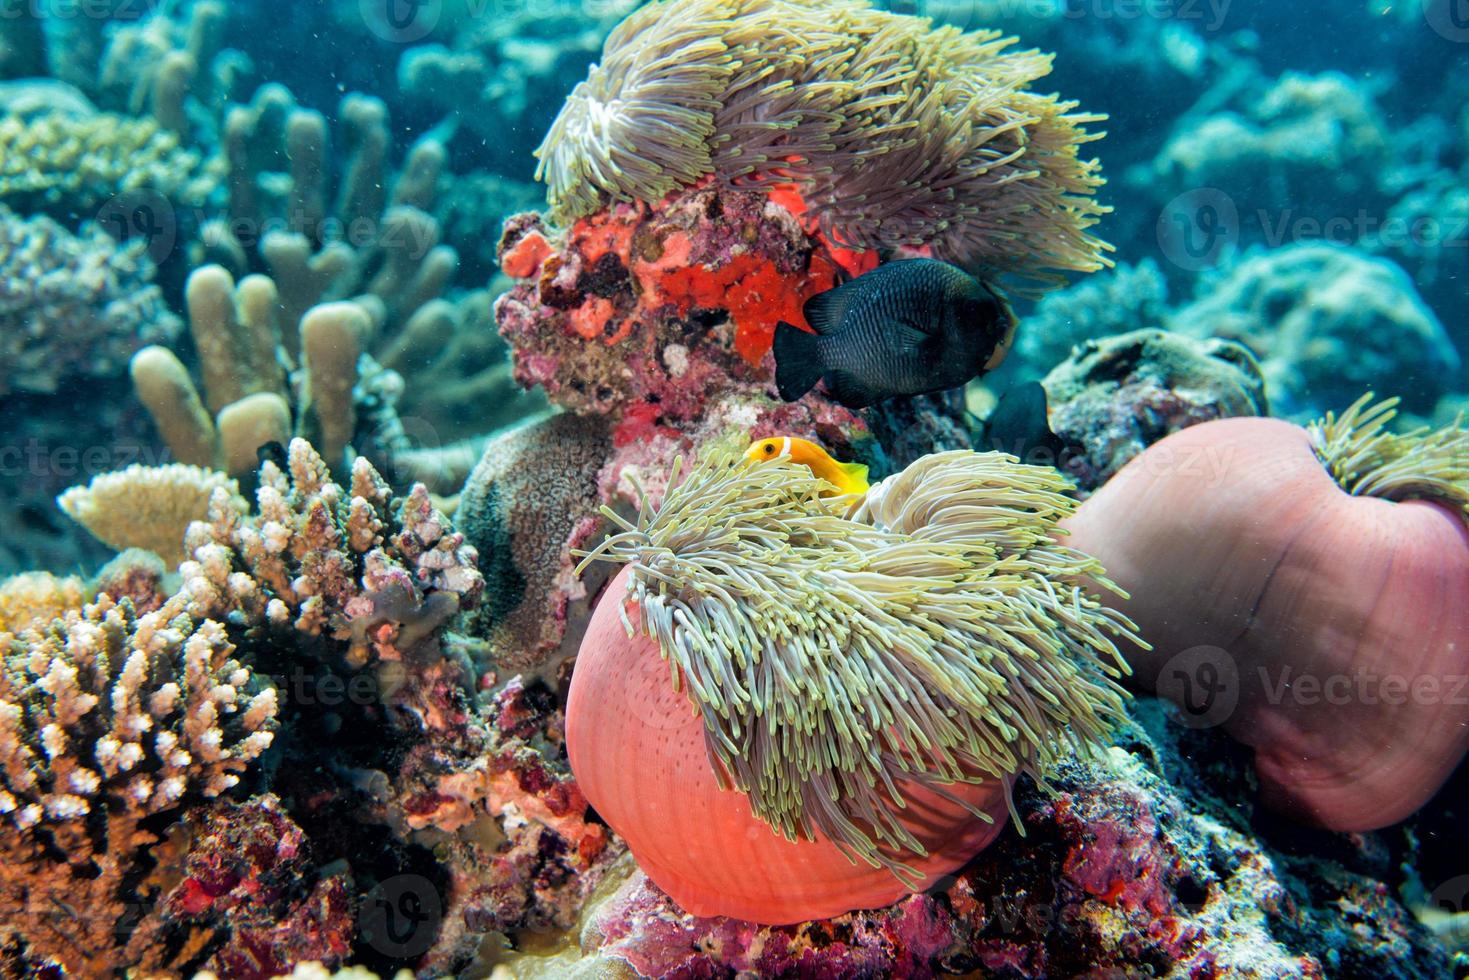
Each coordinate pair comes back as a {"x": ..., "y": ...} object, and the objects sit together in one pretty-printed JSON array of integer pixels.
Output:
[
  {"x": 856, "y": 474},
  {"x": 797, "y": 361}
]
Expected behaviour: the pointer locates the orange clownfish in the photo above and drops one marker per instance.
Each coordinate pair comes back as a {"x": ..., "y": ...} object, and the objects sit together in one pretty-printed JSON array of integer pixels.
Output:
[{"x": 850, "y": 479}]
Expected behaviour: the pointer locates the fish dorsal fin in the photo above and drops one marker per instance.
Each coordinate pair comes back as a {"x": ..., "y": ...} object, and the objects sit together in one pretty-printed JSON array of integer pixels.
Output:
[{"x": 824, "y": 311}]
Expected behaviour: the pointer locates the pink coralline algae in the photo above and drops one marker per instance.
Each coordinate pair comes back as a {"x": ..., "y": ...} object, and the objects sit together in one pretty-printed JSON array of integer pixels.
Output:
[
  {"x": 249, "y": 875},
  {"x": 647, "y": 312}
]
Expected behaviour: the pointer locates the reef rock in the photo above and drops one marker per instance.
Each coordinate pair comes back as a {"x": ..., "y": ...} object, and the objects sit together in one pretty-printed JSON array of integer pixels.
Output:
[
  {"x": 1327, "y": 323},
  {"x": 1133, "y": 860},
  {"x": 1114, "y": 397}
]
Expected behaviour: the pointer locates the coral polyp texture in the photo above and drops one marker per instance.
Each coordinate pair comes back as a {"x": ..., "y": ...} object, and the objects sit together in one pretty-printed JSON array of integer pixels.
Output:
[
  {"x": 148, "y": 507},
  {"x": 334, "y": 561},
  {"x": 72, "y": 305},
  {"x": 894, "y": 132},
  {"x": 970, "y": 646},
  {"x": 108, "y": 718}
]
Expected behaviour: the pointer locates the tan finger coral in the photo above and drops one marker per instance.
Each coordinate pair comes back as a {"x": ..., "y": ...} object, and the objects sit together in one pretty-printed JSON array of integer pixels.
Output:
[
  {"x": 894, "y": 133},
  {"x": 148, "y": 507},
  {"x": 107, "y": 718}
]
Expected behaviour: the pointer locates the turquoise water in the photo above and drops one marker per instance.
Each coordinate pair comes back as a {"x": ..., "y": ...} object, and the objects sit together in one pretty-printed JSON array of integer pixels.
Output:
[{"x": 411, "y": 303}]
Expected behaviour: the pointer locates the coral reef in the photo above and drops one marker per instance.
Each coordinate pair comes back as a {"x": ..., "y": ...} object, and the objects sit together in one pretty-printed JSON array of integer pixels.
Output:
[
  {"x": 326, "y": 560},
  {"x": 108, "y": 718},
  {"x": 72, "y": 305},
  {"x": 533, "y": 498},
  {"x": 36, "y": 598},
  {"x": 147, "y": 507},
  {"x": 1111, "y": 302},
  {"x": 508, "y": 73},
  {"x": 1145, "y": 854},
  {"x": 319, "y": 379},
  {"x": 1114, "y": 397},
  {"x": 1327, "y": 323},
  {"x": 247, "y": 876},
  {"x": 610, "y": 315},
  {"x": 1312, "y": 139},
  {"x": 62, "y": 163},
  {"x": 893, "y": 134}
]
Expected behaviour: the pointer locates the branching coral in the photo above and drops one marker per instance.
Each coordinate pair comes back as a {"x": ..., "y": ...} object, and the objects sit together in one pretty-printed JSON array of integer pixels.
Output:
[
  {"x": 371, "y": 233},
  {"x": 939, "y": 636},
  {"x": 37, "y": 598},
  {"x": 72, "y": 305},
  {"x": 108, "y": 718},
  {"x": 895, "y": 134},
  {"x": 318, "y": 377},
  {"x": 328, "y": 560},
  {"x": 148, "y": 507}
]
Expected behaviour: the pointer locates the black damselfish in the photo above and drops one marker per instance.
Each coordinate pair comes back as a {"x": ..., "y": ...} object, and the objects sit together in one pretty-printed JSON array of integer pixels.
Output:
[{"x": 905, "y": 328}]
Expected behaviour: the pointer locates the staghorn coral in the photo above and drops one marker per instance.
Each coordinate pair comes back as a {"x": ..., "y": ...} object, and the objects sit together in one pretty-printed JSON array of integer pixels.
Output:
[
  {"x": 72, "y": 305},
  {"x": 330, "y": 560},
  {"x": 895, "y": 134},
  {"x": 108, "y": 718},
  {"x": 147, "y": 507},
  {"x": 61, "y": 162},
  {"x": 1002, "y": 668}
]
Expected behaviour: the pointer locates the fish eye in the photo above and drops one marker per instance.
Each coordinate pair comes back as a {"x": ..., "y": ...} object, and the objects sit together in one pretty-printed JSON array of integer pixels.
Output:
[{"x": 769, "y": 449}]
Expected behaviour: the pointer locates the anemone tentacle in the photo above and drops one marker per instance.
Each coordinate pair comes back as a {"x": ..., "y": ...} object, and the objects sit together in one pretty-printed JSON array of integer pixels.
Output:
[
  {"x": 938, "y": 635},
  {"x": 896, "y": 133}
]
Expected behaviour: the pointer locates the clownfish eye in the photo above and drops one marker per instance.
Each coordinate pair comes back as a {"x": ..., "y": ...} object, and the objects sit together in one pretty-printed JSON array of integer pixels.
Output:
[{"x": 769, "y": 449}]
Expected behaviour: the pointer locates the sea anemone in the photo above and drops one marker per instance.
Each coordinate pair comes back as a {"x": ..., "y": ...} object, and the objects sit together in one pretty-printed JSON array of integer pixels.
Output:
[
  {"x": 895, "y": 134},
  {"x": 846, "y": 701},
  {"x": 1304, "y": 588}
]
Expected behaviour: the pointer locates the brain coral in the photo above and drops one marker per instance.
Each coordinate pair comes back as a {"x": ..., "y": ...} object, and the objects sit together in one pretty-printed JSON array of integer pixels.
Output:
[
  {"x": 894, "y": 134},
  {"x": 533, "y": 492}
]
